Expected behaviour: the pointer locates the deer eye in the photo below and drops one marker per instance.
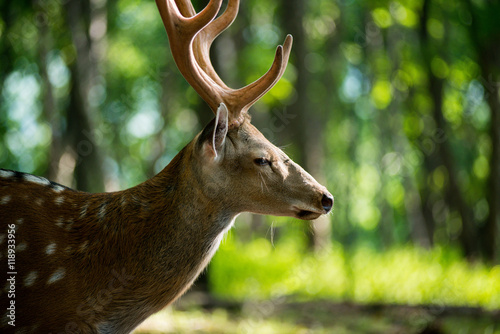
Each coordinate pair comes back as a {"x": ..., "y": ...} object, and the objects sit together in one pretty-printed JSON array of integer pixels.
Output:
[{"x": 262, "y": 162}]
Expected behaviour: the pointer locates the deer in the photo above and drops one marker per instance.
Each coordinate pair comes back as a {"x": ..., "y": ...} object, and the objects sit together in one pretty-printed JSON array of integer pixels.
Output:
[{"x": 77, "y": 262}]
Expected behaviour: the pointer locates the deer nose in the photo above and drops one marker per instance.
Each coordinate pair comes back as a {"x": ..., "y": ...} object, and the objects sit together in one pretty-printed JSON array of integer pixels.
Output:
[{"x": 327, "y": 202}]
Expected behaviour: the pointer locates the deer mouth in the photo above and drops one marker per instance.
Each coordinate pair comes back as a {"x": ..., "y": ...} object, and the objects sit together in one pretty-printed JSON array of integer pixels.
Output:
[
  {"x": 306, "y": 214},
  {"x": 311, "y": 212}
]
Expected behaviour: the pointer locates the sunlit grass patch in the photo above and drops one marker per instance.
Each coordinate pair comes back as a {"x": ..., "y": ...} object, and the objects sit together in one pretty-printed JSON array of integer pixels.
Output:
[
  {"x": 173, "y": 321},
  {"x": 404, "y": 275},
  {"x": 219, "y": 321}
]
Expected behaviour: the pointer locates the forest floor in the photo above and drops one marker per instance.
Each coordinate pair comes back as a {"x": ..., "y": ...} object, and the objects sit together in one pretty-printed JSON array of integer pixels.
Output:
[{"x": 320, "y": 316}]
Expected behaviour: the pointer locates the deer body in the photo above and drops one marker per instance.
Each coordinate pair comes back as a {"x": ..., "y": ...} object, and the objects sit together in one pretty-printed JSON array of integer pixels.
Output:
[
  {"x": 134, "y": 251},
  {"x": 103, "y": 263}
]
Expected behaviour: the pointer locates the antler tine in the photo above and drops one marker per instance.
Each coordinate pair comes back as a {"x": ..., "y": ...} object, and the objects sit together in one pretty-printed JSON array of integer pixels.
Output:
[
  {"x": 185, "y": 7},
  {"x": 181, "y": 30},
  {"x": 173, "y": 16},
  {"x": 222, "y": 22},
  {"x": 203, "y": 41},
  {"x": 245, "y": 97},
  {"x": 219, "y": 24}
]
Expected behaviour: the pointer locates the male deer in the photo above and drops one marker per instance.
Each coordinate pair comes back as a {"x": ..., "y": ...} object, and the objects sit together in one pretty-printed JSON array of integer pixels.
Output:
[{"x": 103, "y": 263}]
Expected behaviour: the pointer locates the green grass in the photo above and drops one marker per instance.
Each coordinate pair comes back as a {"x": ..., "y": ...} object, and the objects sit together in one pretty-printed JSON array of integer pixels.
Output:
[
  {"x": 406, "y": 275},
  {"x": 218, "y": 321}
]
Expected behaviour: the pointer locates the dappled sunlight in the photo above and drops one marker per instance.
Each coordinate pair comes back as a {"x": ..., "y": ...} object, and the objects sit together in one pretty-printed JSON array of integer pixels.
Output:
[{"x": 402, "y": 275}]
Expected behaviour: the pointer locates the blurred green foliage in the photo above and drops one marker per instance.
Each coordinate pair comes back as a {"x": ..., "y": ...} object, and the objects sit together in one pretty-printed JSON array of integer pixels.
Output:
[{"x": 401, "y": 275}]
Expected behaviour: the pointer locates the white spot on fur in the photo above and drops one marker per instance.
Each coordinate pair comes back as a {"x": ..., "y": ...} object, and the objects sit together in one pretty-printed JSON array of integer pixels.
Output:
[
  {"x": 102, "y": 212},
  {"x": 20, "y": 221},
  {"x": 70, "y": 224},
  {"x": 2, "y": 238},
  {"x": 57, "y": 188},
  {"x": 6, "y": 199},
  {"x": 51, "y": 248},
  {"x": 57, "y": 275},
  {"x": 6, "y": 173},
  {"x": 59, "y": 222},
  {"x": 59, "y": 200},
  {"x": 36, "y": 179},
  {"x": 83, "y": 247},
  {"x": 30, "y": 279},
  {"x": 21, "y": 246},
  {"x": 83, "y": 212},
  {"x": 39, "y": 201}
]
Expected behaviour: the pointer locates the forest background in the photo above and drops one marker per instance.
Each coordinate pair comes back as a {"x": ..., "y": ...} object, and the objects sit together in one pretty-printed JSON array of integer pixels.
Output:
[{"x": 394, "y": 105}]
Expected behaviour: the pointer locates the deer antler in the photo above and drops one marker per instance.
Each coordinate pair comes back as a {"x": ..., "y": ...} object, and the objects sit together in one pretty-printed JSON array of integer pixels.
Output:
[{"x": 191, "y": 36}]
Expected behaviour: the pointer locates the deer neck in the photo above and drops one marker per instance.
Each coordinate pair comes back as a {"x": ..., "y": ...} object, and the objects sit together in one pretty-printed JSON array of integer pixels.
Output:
[
  {"x": 179, "y": 226},
  {"x": 182, "y": 199}
]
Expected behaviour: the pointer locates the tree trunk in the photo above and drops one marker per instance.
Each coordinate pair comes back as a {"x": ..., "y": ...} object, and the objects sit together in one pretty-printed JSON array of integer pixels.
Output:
[
  {"x": 493, "y": 221},
  {"x": 485, "y": 38},
  {"x": 50, "y": 109},
  {"x": 454, "y": 196},
  {"x": 306, "y": 124},
  {"x": 81, "y": 129}
]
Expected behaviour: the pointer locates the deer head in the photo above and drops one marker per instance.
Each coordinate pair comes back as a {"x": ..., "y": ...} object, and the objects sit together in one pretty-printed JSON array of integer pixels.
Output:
[{"x": 235, "y": 160}]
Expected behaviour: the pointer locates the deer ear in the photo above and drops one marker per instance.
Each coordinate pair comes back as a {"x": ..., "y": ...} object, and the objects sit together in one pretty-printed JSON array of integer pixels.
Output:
[{"x": 220, "y": 130}]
